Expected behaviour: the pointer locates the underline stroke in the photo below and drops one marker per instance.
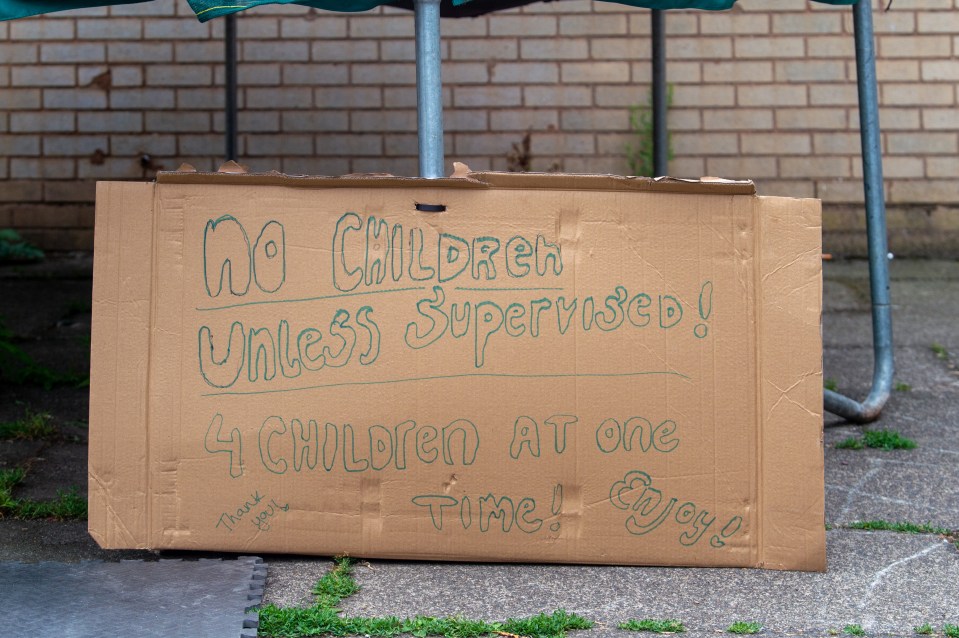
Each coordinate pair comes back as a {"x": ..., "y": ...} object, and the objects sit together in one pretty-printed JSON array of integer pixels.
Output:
[{"x": 465, "y": 375}]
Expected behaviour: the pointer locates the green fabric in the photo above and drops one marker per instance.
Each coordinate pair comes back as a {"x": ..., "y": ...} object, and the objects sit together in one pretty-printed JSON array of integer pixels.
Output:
[
  {"x": 12, "y": 9},
  {"x": 209, "y": 9}
]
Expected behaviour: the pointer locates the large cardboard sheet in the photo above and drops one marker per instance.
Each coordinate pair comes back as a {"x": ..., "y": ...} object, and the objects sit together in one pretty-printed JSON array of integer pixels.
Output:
[{"x": 500, "y": 367}]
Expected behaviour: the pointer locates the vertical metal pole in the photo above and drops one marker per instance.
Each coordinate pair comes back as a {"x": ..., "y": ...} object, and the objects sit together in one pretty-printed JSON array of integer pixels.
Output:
[
  {"x": 429, "y": 87},
  {"x": 231, "y": 87},
  {"x": 660, "y": 134},
  {"x": 883, "y": 367}
]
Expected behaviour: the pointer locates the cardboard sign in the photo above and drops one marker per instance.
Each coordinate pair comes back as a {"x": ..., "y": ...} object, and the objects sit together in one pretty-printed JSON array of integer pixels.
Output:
[{"x": 577, "y": 369}]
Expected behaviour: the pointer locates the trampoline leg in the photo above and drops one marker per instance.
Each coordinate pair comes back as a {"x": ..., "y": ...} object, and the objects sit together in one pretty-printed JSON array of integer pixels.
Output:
[
  {"x": 229, "y": 64},
  {"x": 429, "y": 88},
  {"x": 883, "y": 368},
  {"x": 660, "y": 135}
]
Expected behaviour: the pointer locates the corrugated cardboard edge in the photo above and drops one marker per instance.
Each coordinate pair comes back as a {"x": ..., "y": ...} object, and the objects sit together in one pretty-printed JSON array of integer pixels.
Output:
[
  {"x": 118, "y": 466},
  {"x": 791, "y": 489},
  {"x": 561, "y": 181},
  {"x": 479, "y": 180}
]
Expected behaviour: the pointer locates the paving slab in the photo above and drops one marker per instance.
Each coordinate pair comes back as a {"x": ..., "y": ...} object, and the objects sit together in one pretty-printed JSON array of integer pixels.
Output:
[
  {"x": 901, "y": 581},
  {"x": 207, "y": 598},
  {"x": 919, "y": 486}
]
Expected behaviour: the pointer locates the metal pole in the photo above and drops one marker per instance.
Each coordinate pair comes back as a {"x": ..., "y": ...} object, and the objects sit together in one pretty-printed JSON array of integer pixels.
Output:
[
  {"x": 231, "y": 90},
  {"x": 429, "y": 87},
  {"x": 660, "y": 135},
  {"x": 883, "y": 367}
]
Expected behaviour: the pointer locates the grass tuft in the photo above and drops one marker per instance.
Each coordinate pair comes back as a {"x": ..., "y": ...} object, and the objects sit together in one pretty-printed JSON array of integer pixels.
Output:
[
  {"x": 924, "y": 629},
  {"x": 318, "y": 620},
  {"x": 32, "y": 426},
  {"x": 67, "y": 505},
  {"x": 830, "y": 384},
  {"x": 852, "y": 443},
  {"x": 545, "y": 626},
  {"x": 323, "y": 618},
  {"x": 887, "y": 440},
  {"x": 951, "y": 631},
  {"x": 854, "y": 630},
  {"x": 336, "y": 584},
  {"x": 667, "y": 626},
  {"x": 9, "y": 478},
  {"x": 940, "y": 351},
  {"x": 741, "y": 627},
  {"x": 902, "y": 387},
  {"x": 902, "y": 527}
]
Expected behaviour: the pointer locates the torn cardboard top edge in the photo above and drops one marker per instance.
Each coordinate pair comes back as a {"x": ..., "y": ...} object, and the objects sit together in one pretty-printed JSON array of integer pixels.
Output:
[{"x": 474, "y": 180}]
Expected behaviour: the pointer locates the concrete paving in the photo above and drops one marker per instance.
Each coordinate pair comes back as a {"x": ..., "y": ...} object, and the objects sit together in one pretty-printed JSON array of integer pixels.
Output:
[{"x": 877, "y": 589}]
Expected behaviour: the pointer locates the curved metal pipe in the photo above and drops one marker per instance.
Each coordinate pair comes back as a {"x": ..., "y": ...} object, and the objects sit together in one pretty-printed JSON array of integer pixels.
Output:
[{"x": 883, "y": 366}]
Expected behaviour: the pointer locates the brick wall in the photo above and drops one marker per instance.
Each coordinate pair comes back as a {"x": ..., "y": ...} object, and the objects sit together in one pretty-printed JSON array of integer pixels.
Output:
[{"x": 766, "y": 91}]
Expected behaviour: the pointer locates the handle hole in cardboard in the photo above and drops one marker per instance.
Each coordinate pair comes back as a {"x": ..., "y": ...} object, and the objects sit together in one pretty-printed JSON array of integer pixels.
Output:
[{"x": 431, "y": 208}]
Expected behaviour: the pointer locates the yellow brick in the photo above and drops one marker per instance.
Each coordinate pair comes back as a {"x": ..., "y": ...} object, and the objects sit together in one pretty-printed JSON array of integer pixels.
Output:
[
  {"x": 771, "y": 47},
  {"x": 722, "y": 23},
  {"x": 772, "y": 95},
  {"x": 815, "y": 166},
  {"x": 741, "y": 167},
  {"x": 776, "y": 144},
  {"x": 942, "y": 167},
  {"x": 934, "y": 191},
  {"x": 811, "y": 119}
]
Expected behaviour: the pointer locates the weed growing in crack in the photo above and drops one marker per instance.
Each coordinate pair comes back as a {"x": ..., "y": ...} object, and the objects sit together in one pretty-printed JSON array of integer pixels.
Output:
[
  {"x": 742, "y": 627},
  {"x": 667, "y": 626},
  {"x": 336, "y": 584},
  {"x": 950, "y": 631},
  {"x": 31, "y": 426},
  {"x": 324, "y": 617},
  {"x": 543, "y": 625},
  {"x": 852, "y": 443},
  {"x": 924, "y": 629},
  {"x": 886, "y": 440},
  {"x": 640, "y": 152},
  {"x": 940, "y": 351},
  {"x": 67, "y": 505},
  {"x": 902, "y": 527},
  {"x": 9, "y": 478},
  {"x": 854, "y": 630}
]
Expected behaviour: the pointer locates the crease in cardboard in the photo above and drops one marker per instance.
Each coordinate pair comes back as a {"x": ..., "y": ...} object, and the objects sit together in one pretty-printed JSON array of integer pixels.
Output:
[
  {"x": 757, "y": 517},
  {"x": 147, "y": 431}
]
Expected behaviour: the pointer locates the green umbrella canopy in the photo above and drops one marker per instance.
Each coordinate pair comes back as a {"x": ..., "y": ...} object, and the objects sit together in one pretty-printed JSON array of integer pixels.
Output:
[{"x": 209, "y": 9}]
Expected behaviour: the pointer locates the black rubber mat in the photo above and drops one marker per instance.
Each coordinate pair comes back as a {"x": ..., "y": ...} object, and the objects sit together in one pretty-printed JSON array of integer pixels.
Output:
[{"x": 168, "y": 598}]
